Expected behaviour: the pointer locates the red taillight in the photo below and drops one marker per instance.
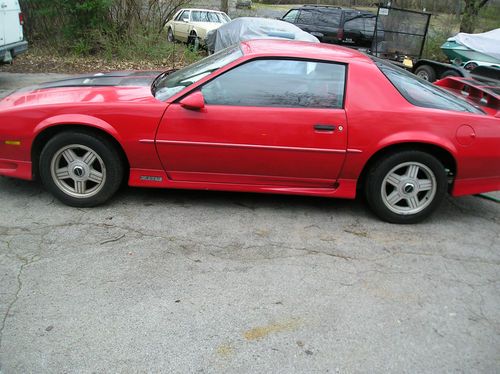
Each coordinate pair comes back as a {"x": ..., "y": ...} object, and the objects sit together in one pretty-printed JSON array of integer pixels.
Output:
[
  {"x": 340, "y": 34},
  {"x": 21, "y": 18}
]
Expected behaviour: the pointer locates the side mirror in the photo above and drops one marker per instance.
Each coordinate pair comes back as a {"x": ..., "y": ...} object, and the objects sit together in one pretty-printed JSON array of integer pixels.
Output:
[
  {"x": 193, "y": 101},
  {"x": 186, "y": 19}
]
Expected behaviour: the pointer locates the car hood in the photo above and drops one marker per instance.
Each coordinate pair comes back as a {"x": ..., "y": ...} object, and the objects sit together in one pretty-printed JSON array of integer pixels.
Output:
[
  {"x": 124, "y": 86},
  {"x": 207, "y": 25}
]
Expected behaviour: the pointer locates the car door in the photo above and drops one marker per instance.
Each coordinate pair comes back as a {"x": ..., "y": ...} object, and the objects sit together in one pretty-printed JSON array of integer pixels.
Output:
[
  {"x": 181, "y": 26},
  {"x": 13, "y": 30},
  {"x": 266, "y": 122}
]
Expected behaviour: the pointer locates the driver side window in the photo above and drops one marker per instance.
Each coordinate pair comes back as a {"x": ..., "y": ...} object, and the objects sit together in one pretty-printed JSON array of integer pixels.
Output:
[{"x": 279, "y": 83}]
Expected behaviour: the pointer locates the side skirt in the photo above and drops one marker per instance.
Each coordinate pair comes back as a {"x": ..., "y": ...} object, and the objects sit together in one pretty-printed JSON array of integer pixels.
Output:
[{"x": 344, "y": 188}]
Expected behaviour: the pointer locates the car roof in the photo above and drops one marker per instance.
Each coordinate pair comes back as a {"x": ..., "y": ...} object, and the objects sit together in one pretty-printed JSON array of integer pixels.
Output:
[
  {"x": 291, "y": 48},
  {"x": 331, "y": 7},
  {"x": 202, "y": 10}
]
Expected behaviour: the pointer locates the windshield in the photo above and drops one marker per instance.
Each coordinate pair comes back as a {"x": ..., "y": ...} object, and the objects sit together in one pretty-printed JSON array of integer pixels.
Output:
[
  {"x": 168, "y": 85},
  {"x": 213, "y": 17},
  {"x": 422, "y": 93}
]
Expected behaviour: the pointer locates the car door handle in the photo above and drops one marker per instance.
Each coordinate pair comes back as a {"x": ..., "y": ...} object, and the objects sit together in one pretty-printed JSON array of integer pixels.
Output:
[{"x": 321, "y": 127}]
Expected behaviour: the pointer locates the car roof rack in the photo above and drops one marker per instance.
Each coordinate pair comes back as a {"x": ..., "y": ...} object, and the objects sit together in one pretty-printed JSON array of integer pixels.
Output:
[{"x": 321, "y": 6}]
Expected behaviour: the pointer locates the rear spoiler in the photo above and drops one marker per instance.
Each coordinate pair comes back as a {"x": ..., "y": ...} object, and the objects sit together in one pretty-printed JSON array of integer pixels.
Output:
[{"x": 483, "y": 92}]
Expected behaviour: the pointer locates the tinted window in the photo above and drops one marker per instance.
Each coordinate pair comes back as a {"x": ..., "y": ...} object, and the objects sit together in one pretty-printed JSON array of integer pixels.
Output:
[
  {"x": 356, "y": 24},
  {"x": 279, "y": 83},
  {"x": 306, "y": 17},
  {"x": 422, "y": 93},
  {"x": 291, "y": 15},
  {"x": 365, "y": 23},
  {"x": 329, "y": 19}
]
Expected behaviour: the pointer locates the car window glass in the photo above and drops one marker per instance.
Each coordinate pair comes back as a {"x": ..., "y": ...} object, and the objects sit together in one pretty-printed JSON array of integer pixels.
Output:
[
  {"x": 356, "y": 24},
  {"x": 279, "y": 83},
  {"x": 291, "y": 15},
  {"x": 305, "y": 17},
  {"x": 422, "y": 93},
  {"x": 212, "y": 17},
  {"x": 173, "y": 83},
  {"x": 178, "y": 18},
  {"x": 185, "y": 15},
  {"x": 329, "y": 19}
]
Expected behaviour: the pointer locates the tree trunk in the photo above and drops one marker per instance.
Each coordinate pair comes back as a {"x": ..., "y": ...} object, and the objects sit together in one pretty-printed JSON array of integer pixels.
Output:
[
  {"x": 224, "y": 6},
  {"x": 469, "y": 18}
]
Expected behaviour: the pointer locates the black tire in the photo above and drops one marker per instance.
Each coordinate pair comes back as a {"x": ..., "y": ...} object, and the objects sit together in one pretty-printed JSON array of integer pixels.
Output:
[
  {"x": 170, "y": 35},
  {"x": 416, "y": 202},
  {"x": 426, "y": 72},
  {"x": 93, "y": 176},
  {"x": 450, "y": 73}
]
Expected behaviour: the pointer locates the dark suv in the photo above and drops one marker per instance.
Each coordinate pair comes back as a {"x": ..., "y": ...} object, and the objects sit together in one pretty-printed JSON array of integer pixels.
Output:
[{"x": 336, "y": 25}]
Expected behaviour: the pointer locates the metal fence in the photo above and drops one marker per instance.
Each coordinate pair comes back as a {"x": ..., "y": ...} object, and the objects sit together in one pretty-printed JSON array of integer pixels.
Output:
[{"x": 404, "y": 33}]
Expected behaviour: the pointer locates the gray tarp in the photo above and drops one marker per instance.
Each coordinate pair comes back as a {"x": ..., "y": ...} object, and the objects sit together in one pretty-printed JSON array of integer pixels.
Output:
[
  {"x": 246, "y": 28},
  {"x": 486, "y": 42}
]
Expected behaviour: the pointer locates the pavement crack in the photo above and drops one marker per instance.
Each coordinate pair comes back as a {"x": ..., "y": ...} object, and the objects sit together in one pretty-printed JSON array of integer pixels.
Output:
[{"x": 25, "y": 262}]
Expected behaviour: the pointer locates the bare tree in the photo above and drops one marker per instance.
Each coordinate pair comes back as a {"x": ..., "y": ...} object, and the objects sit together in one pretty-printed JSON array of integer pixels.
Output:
[
  {"x": 154, "y": 14},
  {"x": 471, "y": 11}
]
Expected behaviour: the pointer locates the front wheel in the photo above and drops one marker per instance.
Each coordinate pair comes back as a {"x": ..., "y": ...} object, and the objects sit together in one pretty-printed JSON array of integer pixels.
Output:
[
  {"x": 170, "y": 35},
  {"x": 406, "y": 187},
  {"x": 81, "y": 169}
]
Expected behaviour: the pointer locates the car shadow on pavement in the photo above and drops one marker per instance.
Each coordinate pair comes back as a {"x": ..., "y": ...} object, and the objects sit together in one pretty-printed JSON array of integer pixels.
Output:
[{"x": 451, "y": 208}]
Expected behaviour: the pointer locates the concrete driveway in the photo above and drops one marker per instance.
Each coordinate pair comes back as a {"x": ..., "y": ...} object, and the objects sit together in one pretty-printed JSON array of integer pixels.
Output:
[{"x": 188, "y": 281}]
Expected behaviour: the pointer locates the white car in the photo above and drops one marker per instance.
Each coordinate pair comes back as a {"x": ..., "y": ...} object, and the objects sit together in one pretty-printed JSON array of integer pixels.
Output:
[
  {"x": 12, "y": 40},
  {"x": 192, "y": 25}
]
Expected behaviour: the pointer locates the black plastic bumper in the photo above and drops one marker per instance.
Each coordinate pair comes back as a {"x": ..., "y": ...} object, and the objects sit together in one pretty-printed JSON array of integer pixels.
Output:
[{"x": 14, "y": 49}]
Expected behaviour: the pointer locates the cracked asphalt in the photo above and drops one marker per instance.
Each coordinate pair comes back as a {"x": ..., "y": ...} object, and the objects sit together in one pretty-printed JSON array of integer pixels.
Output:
[{"x": 192, "y": 281}]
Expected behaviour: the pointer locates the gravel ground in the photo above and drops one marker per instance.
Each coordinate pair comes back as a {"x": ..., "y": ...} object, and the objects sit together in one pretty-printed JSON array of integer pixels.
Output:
[{"x": 191, "y": 281}]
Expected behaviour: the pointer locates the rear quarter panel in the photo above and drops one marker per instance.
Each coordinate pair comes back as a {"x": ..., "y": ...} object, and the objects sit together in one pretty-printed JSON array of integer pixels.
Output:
[{"x": 379, "y": 116}]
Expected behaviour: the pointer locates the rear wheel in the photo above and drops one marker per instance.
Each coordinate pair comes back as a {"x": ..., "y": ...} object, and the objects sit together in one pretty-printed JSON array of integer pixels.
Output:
[
  {"x": 81, "y": 169},
  {"x": 170, "y": 35},
  {"x": 406, "y": 187},
  {"x": 426, "y": 72}
]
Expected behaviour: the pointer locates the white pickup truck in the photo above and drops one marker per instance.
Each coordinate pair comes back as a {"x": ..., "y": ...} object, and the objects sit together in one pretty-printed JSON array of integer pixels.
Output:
[{"x": 12, "y": 40}]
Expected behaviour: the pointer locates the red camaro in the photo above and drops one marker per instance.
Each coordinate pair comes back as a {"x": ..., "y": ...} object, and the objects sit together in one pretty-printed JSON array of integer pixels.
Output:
[{"x": 265, "y": 116}]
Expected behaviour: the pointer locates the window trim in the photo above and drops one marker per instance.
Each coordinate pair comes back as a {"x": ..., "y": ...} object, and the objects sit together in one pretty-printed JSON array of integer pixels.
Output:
[{"x": 346, "y": 74}]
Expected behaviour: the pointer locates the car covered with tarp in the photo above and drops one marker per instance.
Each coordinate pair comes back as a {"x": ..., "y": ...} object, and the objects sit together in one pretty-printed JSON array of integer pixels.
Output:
[{"x": 247, "y": 28}]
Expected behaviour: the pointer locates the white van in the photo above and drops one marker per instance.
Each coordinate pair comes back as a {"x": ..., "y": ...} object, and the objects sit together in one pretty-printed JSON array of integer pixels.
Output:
[{"x": 12, "y": 40}]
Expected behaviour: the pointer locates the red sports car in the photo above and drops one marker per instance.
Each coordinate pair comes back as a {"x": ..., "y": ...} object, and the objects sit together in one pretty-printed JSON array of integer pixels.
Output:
[{"x": 264, "y": 116}]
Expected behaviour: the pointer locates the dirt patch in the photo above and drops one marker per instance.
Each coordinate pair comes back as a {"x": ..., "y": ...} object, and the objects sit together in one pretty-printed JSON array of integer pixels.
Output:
[{"x": 35, "y": 61}]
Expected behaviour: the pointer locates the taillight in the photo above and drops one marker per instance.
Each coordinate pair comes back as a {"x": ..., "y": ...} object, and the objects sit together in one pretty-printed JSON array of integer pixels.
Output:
[
  {"x": 21, "y": 18},
  {"x": 340, "y": 34}
]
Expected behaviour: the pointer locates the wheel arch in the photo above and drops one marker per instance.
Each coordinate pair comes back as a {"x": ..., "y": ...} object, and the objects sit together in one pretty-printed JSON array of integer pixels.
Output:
[
  {"x": 441, "y": 153},
  {"x": 48, "y": 132}
]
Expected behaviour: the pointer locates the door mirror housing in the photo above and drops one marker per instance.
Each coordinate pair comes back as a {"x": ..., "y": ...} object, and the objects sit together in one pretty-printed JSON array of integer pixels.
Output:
[{"x": 193, "y": 101}]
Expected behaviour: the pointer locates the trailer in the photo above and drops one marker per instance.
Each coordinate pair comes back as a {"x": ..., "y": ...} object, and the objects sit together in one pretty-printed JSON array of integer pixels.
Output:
[{"x": 405, "y": 32}]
